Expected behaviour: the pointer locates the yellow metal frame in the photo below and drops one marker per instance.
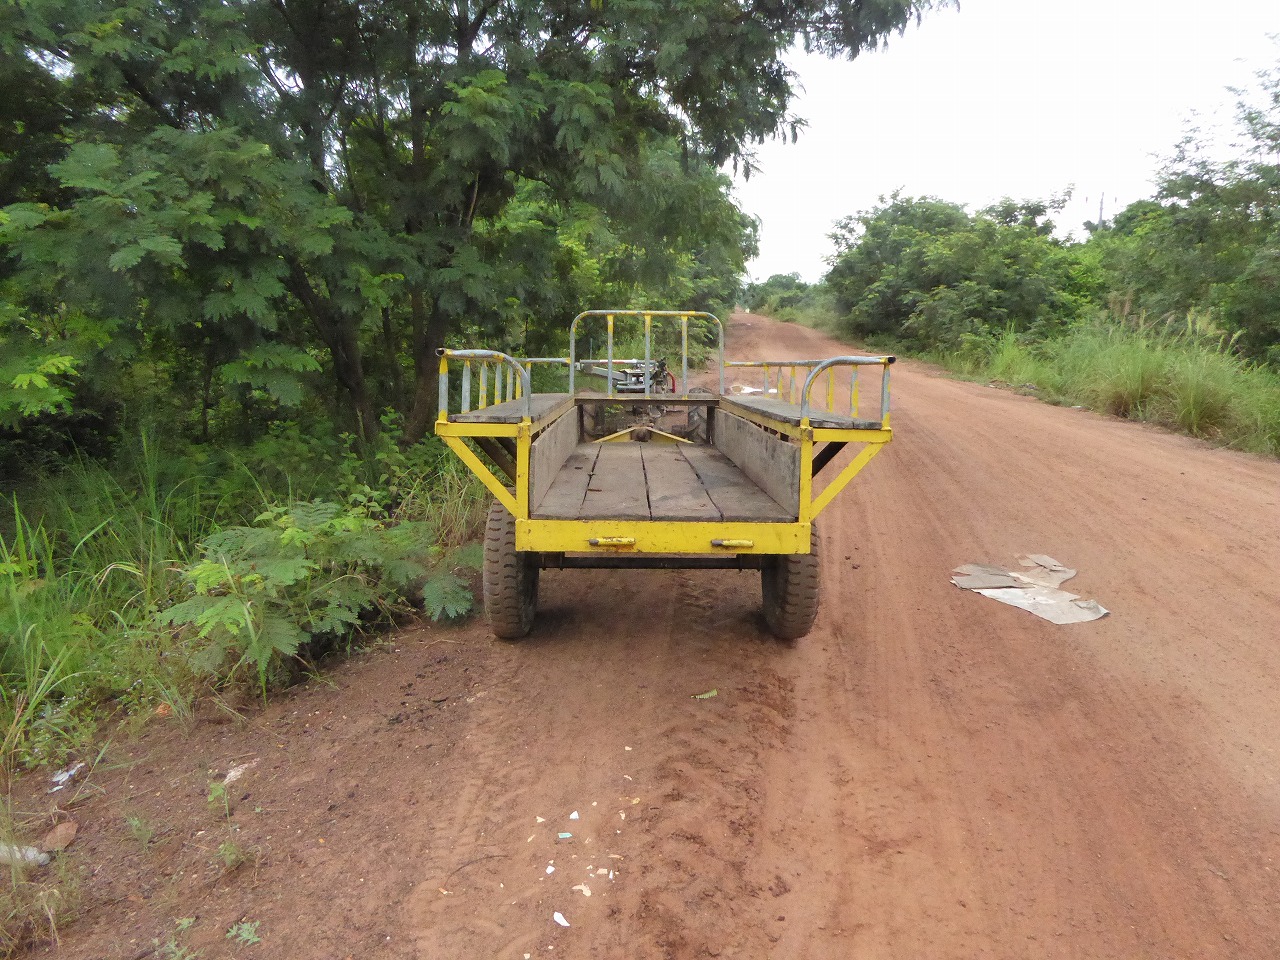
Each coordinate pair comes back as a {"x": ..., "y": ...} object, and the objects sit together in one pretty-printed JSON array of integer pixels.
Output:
[
  {"x": 660, "y": 536},
  {"x": 663, "y": 536}
]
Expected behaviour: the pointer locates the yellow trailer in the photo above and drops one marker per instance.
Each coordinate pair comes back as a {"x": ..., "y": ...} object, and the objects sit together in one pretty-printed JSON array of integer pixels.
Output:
[{"x": 704, "y": 479}]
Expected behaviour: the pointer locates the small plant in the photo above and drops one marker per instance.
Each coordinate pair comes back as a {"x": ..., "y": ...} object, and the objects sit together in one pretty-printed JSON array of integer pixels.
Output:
[
  {"x": 141, "y": 830},
  {"x": 232, "y": 856},
  {"x": 307, "y": 571},
  {"x": 172, "y": 950},
  {"x": 33, "y": 906},
  {"x": 218, "y": 798},
  {"x": 245, "y": 932}
]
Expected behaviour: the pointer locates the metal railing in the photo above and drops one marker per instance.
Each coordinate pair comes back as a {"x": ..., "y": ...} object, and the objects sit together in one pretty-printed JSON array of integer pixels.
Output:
[
  {"x": 787, "y": 385},
  {"x": 491, "y": 364},
  {"x": 683, "y": 316}
]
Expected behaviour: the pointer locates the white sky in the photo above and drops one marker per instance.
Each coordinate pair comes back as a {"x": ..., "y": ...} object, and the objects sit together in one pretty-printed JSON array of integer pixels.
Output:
[{"x": 1017, "y": 98}]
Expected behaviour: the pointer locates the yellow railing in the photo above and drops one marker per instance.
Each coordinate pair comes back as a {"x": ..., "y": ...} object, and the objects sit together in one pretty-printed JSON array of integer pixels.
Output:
[{"x": 794, "y": 381}]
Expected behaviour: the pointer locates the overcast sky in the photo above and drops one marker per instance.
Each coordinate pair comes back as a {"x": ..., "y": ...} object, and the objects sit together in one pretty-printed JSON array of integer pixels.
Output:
[{"x": 1019, "y": 98}]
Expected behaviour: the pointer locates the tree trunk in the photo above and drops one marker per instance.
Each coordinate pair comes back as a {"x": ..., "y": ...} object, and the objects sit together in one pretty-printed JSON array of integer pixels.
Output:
[
  {"x": 340, "y": 334},
  {"x": 428, "y": 336},
  {"x": 428, "y": 326}
]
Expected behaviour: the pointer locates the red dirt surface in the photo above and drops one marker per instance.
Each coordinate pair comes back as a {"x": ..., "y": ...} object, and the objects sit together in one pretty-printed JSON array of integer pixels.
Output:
[{"x": 927, "y": 774}]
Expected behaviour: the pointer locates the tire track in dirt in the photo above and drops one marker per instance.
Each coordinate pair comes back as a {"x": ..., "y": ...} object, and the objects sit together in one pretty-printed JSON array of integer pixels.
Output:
[
  {"x": 610, "y": 668},
  {"x": 1011, "y": 788},
  {"x": 927, "y": 773}
]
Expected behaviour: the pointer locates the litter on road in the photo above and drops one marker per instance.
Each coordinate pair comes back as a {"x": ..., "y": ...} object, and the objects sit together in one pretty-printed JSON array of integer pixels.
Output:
[
  {"x": 705, "y": 696},
  {"x": 1033, "y": 587},
  {"x": 64, "y": 777},
  {"x": 11, "y": 853},
  {"x": 558, "y": 917}
]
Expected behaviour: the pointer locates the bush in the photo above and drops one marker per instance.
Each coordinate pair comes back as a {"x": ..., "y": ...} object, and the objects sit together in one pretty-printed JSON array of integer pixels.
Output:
[{"x": 307, "y": 574}]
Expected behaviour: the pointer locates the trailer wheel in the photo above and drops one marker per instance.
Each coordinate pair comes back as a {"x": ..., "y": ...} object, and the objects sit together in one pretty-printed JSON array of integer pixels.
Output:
[
  {"x": 510, "y": 578},
  {"x": 790, "y": 587}
]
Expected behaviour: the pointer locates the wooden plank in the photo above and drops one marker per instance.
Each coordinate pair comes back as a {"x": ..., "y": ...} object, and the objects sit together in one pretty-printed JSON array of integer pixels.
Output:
[
  {"x": 542, "y": 406},
  {"x": 733, "y": 493},
  {"x": 772, "y": 463},
  {"x": 548, "y": 454},
  {"x": 790, "y": 413},
  {"x": 675, "y": 492},
  {"x": 563, "y": 499},
  {"x": 617, "y": 488}
]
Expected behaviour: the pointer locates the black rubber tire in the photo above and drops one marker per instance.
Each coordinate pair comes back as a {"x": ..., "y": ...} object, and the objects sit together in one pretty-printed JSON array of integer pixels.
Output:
[
  {"x": 790, "y": 587},
  {"x": 510, "y": 578}
]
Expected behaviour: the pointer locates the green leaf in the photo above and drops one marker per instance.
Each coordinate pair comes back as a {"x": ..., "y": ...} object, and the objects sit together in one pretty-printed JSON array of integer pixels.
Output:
[
  {"x": 445, "y": 595},
  {"x": 126, "y": 257}
]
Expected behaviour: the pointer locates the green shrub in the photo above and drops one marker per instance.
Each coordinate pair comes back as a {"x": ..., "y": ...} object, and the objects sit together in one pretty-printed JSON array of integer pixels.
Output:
[{"x": 305, "y": 573}]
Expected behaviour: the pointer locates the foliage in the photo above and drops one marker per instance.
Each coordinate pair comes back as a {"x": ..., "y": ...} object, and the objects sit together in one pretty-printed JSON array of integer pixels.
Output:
[
  {"x": 245, "y": 932},
  {"x": 1180, "y": 375},
  {"x": 33, "y": 905},
  {"x": 784, "y": 296},
  {"x": 233, "y": 211},
  {"x": 87, "y": 566},
  {"x": 307, "y": 571},
  {"x": 1210, "y": 239},
  {"x": 1167, "y": 313},
  {"x": 930, "y": 274}
]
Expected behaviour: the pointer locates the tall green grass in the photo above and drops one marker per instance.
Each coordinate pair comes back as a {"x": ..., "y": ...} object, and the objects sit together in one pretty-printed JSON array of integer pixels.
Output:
[
  {"x": 92, "y": 555},
  {"x": 82, "y": 575},
  {"x": 1181, "y": 375}
]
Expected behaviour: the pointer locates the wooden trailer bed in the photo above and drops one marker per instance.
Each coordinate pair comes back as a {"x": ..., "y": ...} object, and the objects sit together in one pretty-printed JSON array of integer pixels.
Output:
[{"x": 654, "y": 481}]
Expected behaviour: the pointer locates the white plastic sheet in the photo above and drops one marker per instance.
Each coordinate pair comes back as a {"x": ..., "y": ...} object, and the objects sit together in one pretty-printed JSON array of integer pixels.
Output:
[{"x": 1033, "y": 587}]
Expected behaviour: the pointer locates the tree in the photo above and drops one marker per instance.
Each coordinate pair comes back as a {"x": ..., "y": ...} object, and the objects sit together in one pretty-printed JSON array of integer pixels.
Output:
[
  {"x": 275, "y": 184},
  {"x": 1209, "y": 241},
  {"x": 877, "y": 271},
  {"x": 925, "y": 272}
]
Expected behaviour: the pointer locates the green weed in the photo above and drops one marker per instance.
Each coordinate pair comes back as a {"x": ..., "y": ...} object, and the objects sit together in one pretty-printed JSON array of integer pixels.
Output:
[
  {"x": 245, "y": 932},
  {"x": 141, "y": 830},
  {"x": 233, "y": 856},
  {"x": 303, "y": 573},
  {"x": 218, "y": 799},
  {"x": 32, "y": 905}
]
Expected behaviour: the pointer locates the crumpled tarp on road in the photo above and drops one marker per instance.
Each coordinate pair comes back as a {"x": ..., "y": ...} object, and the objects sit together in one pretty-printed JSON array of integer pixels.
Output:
[{"x": 1033, "y": 587}]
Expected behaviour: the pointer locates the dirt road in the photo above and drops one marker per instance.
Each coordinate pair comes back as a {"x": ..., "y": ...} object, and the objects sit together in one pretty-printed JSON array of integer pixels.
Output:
[{"x": 928, "y": 774}]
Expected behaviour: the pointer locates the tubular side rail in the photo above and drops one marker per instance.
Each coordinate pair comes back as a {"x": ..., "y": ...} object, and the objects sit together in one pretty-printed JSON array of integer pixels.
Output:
[
  {"x": 787, "y": 385},
  {"x": 787, "y": 375},
  {"x": 517, "y": 379},
  {"x": 883, "y": 362},
  {"x": 683, "y": 316}
]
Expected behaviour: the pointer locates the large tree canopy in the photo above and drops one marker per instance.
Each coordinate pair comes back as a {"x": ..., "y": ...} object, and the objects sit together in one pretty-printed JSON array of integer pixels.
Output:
[{"x": 269, "y": 191}]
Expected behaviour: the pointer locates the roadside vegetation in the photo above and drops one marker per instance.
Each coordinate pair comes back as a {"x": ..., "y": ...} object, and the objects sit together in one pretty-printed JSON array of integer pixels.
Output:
[{"x": 1169, "y": 312}]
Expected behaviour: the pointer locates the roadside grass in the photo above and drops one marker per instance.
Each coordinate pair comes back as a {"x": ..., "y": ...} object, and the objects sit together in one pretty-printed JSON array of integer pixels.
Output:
[
  {"x": 127, "y": 591},
  {"x": 33, "y": 906},
  {"x": 1177, "y": 375},
  {"x": 816, "y": 309},
  {"x": 94, "y": 560},
  {"x": 819, "y": 316}
]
